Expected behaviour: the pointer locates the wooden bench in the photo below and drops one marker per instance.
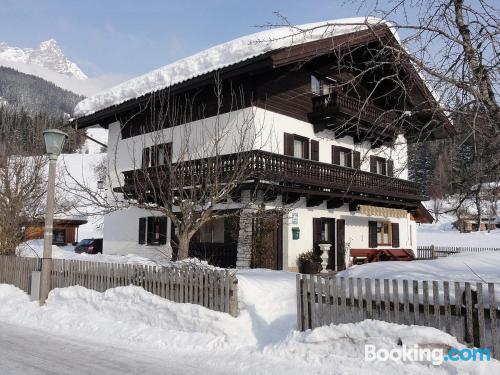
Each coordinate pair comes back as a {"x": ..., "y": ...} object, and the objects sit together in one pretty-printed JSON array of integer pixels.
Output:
[{"x": 377, "y": 255}]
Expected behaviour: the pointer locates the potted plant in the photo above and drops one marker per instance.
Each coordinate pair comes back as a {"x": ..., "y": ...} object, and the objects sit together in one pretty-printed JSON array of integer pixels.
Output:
[{"x": 309, "y": 262}]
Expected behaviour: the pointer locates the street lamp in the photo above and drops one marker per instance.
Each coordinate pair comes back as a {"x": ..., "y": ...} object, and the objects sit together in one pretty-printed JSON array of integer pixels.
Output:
[{"x": 54, "y": 142}]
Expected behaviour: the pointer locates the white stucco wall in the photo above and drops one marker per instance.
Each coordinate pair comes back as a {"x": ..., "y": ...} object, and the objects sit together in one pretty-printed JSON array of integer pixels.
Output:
[
  {"x": 271, "y": 127},
  {"x": 356, "y": 229},
  {"x": 121, "y": 235}
]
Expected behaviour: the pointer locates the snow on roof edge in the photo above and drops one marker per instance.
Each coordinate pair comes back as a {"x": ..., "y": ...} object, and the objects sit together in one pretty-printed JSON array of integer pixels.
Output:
[{"x": 219, "y": 57}]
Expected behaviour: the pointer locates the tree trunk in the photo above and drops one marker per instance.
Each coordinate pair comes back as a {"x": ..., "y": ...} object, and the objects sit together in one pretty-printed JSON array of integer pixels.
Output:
[{"x": 183, "y": 252}]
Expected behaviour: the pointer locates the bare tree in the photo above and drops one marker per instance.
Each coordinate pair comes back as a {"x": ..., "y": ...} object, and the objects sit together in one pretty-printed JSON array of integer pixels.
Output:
[
  {"x": 186, "y": 163},
  {"x": 453, "y": 45},
  {"x": 22, "y": 193}
]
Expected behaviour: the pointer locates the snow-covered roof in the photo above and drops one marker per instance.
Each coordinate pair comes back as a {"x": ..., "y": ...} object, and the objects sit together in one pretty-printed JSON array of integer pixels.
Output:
[{"x": 221, "y": 56}]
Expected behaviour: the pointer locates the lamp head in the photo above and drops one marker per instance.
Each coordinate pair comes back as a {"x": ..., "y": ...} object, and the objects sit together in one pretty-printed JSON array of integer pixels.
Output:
[{"x": 54, "y": 142}]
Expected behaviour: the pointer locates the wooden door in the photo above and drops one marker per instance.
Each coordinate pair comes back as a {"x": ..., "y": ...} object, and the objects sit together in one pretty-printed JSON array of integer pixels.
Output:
[{"x": 267, "y": 246}]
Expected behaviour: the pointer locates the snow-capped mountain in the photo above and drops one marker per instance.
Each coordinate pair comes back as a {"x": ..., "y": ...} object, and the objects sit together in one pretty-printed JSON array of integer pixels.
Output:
[{"x": 47, "y": 55}]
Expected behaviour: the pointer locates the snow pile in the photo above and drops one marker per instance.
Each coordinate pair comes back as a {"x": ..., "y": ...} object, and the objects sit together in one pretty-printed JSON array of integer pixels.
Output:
[
  {"x": 474, "y": 267},
  {"x": 219, "y": 57},
  {"x": 133, "y": 318}
]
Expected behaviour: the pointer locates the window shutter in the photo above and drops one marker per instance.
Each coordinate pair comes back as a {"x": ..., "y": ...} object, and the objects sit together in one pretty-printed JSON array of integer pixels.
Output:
[
  {"x": 395, "y": 235},
  {"x": 341, "y": 243},
  {"x": 335, "y": 155},
  {"x": 163, "y": 230},
  {"x": 356, "y": 159},
  {"x": 150, "y": 230},
  {"x": 390, "y": 168},
  {"x": 314, "y": 150},
  {"x": 372, "y": 234},
  {"x": 316, "y": 230},
  {"x": 348, "y": 162},
  {"x": 288, "y": 144},
  {"x": 142, "y": 230},
  {"x": 373, "y": 164},
  {"x": 145, "y": 157},
  {"x": 306, "y": 149}
]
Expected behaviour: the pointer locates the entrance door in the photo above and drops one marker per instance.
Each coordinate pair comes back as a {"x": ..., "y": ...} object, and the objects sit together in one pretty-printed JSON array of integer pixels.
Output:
[
  {"x": 267, "y": 247},
  {"x": 324, "y": 230}
]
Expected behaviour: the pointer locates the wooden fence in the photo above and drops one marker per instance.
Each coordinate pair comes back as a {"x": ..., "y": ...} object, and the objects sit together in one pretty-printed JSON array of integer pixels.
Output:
[
  {"x": 465, "y": 310},
  {"x": 214, "y": 289},
  {"x": 17, "y": 271},
  {"x": 435, "y": 252}
]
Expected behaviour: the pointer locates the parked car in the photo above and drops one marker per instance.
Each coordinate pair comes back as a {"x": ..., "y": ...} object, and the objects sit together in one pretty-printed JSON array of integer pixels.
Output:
[{"x": 89, "y": 246}]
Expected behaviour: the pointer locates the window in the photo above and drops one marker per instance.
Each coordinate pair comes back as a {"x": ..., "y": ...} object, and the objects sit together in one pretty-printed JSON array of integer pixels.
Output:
[
  {"x": 156, "y": 155},
  {"x": 153, "y": 230},
  {"x": 298, "y": 146},
  {"x": 211, "y": 232},
  {"x": 345, "y": 157},
  {"x": 59, "y": 236},
  {"x": 315, "y": 85},
  {"x": 383, "y": 233},
  {"x": 381, "y": 166}
]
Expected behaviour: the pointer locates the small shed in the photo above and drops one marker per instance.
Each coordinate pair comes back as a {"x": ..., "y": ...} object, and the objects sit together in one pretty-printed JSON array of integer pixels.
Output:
[
  {"x": 65, "y": 230},
  {"x": 470, "y": 224}
]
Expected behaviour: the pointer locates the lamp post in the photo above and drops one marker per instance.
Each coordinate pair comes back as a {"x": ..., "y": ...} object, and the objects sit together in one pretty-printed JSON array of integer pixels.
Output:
[{"x": 54, "y": 142}]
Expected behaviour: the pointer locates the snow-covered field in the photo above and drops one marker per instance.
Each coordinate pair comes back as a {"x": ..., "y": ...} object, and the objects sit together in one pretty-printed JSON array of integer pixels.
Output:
[
  {"x": 474, "y": 267},
  {"x": 259, "y": 341},
  {"x": 443, "y": 234}
]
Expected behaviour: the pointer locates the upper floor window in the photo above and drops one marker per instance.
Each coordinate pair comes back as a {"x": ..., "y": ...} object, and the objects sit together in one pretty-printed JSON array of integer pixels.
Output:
[
  {"x": 157, "y": 155},
  {"x": 345, "y": 157},
  {"x": 381, "y": 166},
  {"x": 321, "y": 86},
  {"x": 299, "y": 148}
]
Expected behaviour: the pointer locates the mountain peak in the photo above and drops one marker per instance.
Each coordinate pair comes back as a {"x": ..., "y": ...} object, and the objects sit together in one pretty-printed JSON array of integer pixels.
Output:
[
  {"x": 48, "y": 55},
  {"x": 50, "y": 43}
]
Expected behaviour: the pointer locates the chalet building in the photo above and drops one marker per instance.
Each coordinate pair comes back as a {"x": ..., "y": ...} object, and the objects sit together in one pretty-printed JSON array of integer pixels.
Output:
[
  {"x": 65, "y": 230},
  {"x": 337, "y": 152}
]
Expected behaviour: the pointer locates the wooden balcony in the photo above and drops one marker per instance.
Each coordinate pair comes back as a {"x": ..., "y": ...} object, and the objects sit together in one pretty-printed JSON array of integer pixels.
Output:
[
  {"x": 338, "y": 111},
  {"x": 285, "y": 173}
]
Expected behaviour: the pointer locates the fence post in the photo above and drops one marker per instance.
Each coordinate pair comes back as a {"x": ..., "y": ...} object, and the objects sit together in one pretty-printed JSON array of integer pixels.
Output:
[{"x": 433, "y": 253}]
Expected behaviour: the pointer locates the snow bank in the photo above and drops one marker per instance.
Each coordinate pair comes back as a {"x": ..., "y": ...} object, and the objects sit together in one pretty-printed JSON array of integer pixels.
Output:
[
  {"x": 219, "y": 57},
  {"x": 131, "y": 317}
]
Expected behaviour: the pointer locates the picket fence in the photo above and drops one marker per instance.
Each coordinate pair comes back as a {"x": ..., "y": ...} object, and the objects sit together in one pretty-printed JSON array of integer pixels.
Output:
[
  {"x": 465, "y": 310},
  {"x": 213, "y": 288},
  {"x": 434, "y": 252}
]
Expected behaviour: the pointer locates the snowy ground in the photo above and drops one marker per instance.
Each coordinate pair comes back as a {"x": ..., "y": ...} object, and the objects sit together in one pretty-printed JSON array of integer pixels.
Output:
[
  {"x": 261, "y": 340},
  {"x": 443, "y": 234},
  {"x": 34, "y": 249},
  {"x": 474, "y": 267}
]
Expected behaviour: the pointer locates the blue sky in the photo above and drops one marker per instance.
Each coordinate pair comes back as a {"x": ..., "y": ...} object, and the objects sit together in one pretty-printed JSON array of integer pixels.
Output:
[{"x": 127, "y": 38}]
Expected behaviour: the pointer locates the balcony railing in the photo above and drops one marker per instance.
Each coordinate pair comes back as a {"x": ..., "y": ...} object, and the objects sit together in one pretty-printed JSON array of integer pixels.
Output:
[
  {"x": 279, "y": 169},
  {"x": 339, "y": 103}
]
